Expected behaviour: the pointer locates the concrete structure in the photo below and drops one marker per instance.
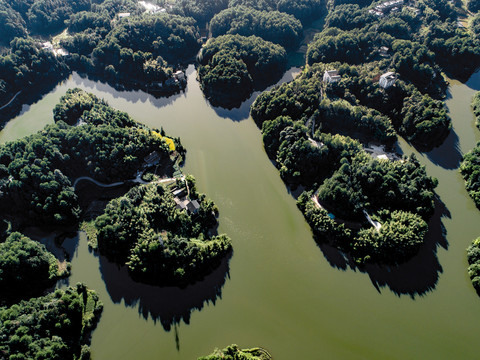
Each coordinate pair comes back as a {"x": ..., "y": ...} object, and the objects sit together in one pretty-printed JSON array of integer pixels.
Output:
[
  {"x": 379, "y": 153},
  {"x": 331, "y": 76},
  {"x": 123, "y": 15},
  {"x": 387, "y": 80}
]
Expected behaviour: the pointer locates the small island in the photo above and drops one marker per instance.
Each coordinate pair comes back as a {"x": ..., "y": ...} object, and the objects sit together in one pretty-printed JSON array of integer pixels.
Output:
[
  {"x": 163, "y": 234},
  {"x": 233, "y": 352}
]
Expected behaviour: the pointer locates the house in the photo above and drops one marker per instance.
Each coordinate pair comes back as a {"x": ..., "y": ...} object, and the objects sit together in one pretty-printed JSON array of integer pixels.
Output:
[
  {"x": 152, "y": 159},
  {"x": 184, "y": 203},
  {"x": 387, "y": 79},
  {"x": 331, "y": 76},
  {"x": 179, "y": 75},
  {"x": 123, "y": 15},
  {"x": 387, "y": 7},
  {"x": 193, "y": 206},
  {"x": 379, "y": 153},
  {"x": 383, "y": 51},
  {"x": 179, "y": 193}
]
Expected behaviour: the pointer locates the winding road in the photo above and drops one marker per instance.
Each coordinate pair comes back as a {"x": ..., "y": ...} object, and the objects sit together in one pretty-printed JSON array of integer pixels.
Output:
[
  {"x": 138, "y": 180},
  {"x": 13, "y": 98}
]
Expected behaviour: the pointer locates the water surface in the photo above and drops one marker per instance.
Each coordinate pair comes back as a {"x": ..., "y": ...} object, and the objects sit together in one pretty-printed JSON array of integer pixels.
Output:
[{"x": 280, "y": 290}]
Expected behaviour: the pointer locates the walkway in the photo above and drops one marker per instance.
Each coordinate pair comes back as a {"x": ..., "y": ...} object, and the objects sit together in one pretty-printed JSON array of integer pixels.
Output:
[
  {"x": 138, "y": 180},
  {"x": 13, "y": 98}
]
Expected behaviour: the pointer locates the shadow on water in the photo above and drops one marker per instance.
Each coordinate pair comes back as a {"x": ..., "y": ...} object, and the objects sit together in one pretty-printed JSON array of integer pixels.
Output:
[
  {"x": 415, "y": 277},
  {"x": 474, "y": 81},
  {"x": 242, "y": 111},
  {"x": 169, "y": 305},
  {"x": 21, "y": 104},
  {"x": 448, "y": 155},
  {"x": 130, "y": 95}
]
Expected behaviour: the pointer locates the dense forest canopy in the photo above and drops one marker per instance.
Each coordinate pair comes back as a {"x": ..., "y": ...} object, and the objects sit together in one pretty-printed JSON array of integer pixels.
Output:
[
  {"x": 26, "y": 268},
  {"x": 26, "y": 65},
  {"x": 37, "y": 172},
  {"x": 274, "y": 26},
  {"x": 232, "y": 66},
  {"x": 470, "y": 169},
  {"x": 473, "y": 257},
  {"x": 54, "y": 327},
  {"x": 159, "y": 242}
]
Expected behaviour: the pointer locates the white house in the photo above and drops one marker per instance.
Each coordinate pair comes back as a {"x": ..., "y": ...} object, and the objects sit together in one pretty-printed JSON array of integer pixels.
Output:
[
  {"x": 179, "y": 75},
  {"x": 331, "y": 76},
  {"x": 387, "y": 79},
  {"x": 123, "y": 15}
]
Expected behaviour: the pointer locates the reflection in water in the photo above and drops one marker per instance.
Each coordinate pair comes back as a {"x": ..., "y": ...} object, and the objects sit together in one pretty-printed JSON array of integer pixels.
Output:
[
  {"x": 169, "y": 305},
  {"x": 415, "y": 277}
]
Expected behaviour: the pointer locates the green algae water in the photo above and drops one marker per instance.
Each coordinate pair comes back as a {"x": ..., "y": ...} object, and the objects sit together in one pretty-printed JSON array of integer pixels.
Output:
[{"x": 280, "y": 290}]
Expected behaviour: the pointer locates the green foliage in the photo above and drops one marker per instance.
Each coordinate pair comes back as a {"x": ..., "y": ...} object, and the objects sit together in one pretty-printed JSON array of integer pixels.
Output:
[
  {"x": 231, "y": 66},
  {"x": 158, "y": 241},
  {"x": 476, "y": 108},
  {"x": 232, "y": 352},
  {"x": 201, "y": 10},
  {"x": 48, "y": 16},
  {"x": 399, "y": 238},
  {"x": 274, "y": 26},
  {"x": 53, "y": 327},
  {"x": 301, "y": 100},
  {"x": 336, "y": 45},
  {"x": 425, "y": 120},
  {"x": 304, "y": 10},
  {"x": 470, "y": 169},
  {"x": 348, "y": 17},
  {"x": 36, "y": 172},
  {"x": 26, "y": 268},
  {"x": 12, "y": 24},
  {"x": 473, "y": 5},
  {"x": 379, "y": 184},
  {"x": 26, "y": 65},
  {"x": 473, "y": 257}
]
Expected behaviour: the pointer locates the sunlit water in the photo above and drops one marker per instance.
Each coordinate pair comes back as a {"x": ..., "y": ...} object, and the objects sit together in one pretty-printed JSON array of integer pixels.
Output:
[{"x": 280, "y": 290}]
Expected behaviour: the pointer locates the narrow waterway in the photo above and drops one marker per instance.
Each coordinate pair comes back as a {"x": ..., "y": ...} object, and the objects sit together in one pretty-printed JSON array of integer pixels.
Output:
[{"x": 280, "y": 290}]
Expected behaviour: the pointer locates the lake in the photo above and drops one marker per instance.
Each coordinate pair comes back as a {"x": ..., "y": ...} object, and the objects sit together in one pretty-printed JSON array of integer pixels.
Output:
[{"x": 280, "y": 290}]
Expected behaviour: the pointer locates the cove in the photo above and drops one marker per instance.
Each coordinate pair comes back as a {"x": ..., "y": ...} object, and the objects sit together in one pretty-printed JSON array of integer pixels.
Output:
[{"x": 280, "y": 290}]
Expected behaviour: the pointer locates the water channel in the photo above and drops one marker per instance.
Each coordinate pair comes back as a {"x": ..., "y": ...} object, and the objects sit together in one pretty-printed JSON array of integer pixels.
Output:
[{"x": 280, "y": 290}]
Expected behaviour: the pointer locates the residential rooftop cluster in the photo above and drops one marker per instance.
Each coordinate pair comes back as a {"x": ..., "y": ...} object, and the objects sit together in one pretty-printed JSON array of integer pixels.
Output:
[
  {"x": 387, "y": 7},
  {"x": 183, "y": 201}
]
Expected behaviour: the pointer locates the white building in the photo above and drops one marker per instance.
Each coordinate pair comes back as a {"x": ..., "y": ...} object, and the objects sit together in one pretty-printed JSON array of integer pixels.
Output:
[
  {"x": 387, "y": 79},
  {"x": 331, "y": 76},
  {"x": 123, "y": 15}
]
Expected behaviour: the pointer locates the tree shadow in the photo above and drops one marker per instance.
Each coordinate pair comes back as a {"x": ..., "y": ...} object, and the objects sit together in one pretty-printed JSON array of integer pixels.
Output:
[
  {"x": 415, "y": 277},
  {"x": 474, "y": 81},
  {"x": 169, "y": 305},
  {"x": 448, "y": 155},
  {"x": 130, "y": 94},
  {"x": 242, "y": 110},
  {"x": 28, "y": 97}
]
